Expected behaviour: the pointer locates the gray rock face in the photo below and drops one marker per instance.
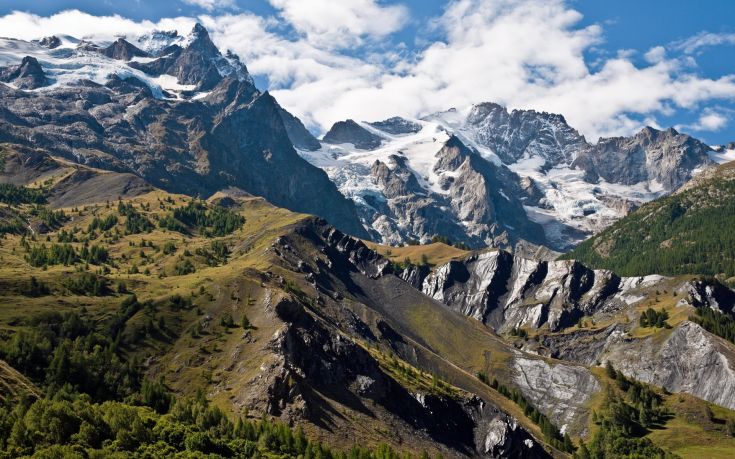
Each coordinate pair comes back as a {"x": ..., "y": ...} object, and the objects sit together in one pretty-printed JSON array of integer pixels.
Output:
[
  {"x": 397, "y": 126},
  {"x": 689, "y": 359},
  {"x": 525, "y": 133},
  {"x": 350, "y": 132},
  {"x": 506, "y": 292},
  {"x": 560, "y": 391},
  {"x": 27, "y": 75},
  {"x": 473, "y": 286},
  {"x": 666, "y": 157}
]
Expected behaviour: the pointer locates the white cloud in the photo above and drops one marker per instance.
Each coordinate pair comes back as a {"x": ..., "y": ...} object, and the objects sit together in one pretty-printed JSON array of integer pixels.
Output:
[
  {"x": 211, "y": 5},
  {"x": 343, "y": 23},
  {"x": 655, "y": 55},
  {"x": 704, "y": 40},
  {"x": 710, "y": 120},
  {"x": 28, "y": 26},
  {"x": 521, "y": 53}
]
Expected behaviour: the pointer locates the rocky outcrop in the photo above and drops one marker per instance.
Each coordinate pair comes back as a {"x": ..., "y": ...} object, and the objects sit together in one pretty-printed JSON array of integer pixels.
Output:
[
  {"x": 666, "y": 157},
  {"x": 350, "y": 132},
  {"x": 507, "y": 292},
  {"x": 561, "y": 391},
  {"x": 51, "y": 42},
  {"x": 472, "y": 286},
  {"x": 397, "y": 126},
  {"x": 27, "y": 75},
  {"x": 123, "y": 51},
  {"x": 688, "y": 359}
]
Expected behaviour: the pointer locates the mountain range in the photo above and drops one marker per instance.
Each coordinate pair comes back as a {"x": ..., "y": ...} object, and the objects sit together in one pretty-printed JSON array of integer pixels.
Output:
[{"x": 188, "y": 271}]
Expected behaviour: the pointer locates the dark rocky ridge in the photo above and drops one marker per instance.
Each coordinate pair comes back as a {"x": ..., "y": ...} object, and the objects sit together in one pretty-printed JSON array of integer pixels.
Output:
[
  {"x": 350, "y": 132},
  {"x": 123, "y": 51},
  {"x": 51, "y": 42},
  {"x": 397, "y": 126},
  {"x": 27, "y": 75},
  {"x": 300, "y": 137}
]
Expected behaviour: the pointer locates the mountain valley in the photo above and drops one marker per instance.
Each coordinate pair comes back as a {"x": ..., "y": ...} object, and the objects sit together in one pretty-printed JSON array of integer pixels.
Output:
[{"x": 187, "y": 271}]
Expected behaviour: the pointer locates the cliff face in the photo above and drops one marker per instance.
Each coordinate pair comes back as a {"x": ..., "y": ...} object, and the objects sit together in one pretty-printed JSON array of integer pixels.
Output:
[
  {"x": 688, "y": 359},
  {"x": 508, "y": 293}
]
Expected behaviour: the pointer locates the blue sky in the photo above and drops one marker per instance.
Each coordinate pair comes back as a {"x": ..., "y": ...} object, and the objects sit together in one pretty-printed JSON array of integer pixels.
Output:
[{"x": 609, "y": 67}]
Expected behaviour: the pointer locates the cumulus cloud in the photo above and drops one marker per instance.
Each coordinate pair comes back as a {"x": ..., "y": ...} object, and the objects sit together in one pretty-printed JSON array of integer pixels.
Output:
[
  {"x": 710, "y": 120},
  {"x": 341, "y": 24},
  {"x": 521, "y": 53},
  {"x": 28, "y": 26},
  {"x": 524, "y": 54}
]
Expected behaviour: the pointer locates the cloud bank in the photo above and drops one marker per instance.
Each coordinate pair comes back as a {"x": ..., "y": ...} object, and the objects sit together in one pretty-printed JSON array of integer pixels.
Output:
[{"x": 332, "y": 62}]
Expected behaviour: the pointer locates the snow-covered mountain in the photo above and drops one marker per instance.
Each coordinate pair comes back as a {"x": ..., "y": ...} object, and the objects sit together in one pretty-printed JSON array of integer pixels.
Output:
[
  {"x": 172, "y": 65},
  {"x": 163, "y": 106},
  {"x": 534, "y": 171},
  {"x": 174, "y": 110}
]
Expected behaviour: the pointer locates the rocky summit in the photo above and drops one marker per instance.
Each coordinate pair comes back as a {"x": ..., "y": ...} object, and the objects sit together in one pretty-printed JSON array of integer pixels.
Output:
[{"x": 188, "y": 271}]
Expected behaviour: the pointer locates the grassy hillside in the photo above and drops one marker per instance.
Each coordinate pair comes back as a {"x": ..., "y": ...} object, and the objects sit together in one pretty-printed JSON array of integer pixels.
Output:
[
  {"x": 158, "y": 314},
  {"x": 688, "y": 232},
  {"x": 436, "y": 253}
]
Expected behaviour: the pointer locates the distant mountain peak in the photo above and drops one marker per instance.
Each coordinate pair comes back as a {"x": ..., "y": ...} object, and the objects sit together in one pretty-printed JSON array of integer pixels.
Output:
[
  {"x": 123, "y": 50},
  {"x": 348, "y": 131},
  {"x": 200, "y": 40}
]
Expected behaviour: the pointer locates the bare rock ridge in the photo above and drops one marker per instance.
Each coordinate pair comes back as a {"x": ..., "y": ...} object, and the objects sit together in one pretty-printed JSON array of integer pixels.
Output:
[
  {"x": 299, "y": 136},
  {"x": 321, "y": 361},
  {"x": 513, "y": 135},
  {"x": 319, "y": 355},
  {"x": 667, "y": 157},
  {"x": 199, "y": 63},
  {"x": 350, "y": 132}
]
